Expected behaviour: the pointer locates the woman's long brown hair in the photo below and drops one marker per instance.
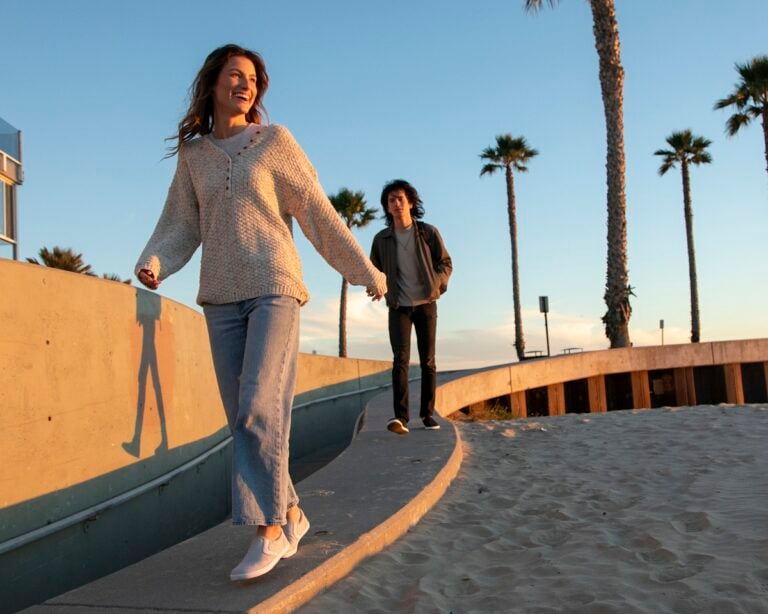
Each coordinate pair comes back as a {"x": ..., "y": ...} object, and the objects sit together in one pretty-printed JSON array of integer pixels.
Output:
[{"x": 198, "y": 119}]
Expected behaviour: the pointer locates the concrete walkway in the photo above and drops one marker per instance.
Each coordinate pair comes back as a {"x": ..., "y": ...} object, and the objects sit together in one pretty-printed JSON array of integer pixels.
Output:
[{"x": 357, "y": 505}]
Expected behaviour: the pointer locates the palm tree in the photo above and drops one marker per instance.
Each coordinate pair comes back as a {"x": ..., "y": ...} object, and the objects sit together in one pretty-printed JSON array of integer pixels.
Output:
[
  {"x": 62, "y": 258},
  {"x": 750, "y": 98},
  {"x": 511, "y": 153},
  {"x": 116, "y": 277},
  {"x": 687, "y": 149},
  {"x": 617, "y": 288},
  {"x": 351, "y": 206}
]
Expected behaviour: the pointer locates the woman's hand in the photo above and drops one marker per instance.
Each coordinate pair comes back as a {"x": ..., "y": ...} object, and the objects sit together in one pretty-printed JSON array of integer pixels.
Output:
[
  {"x": 147, "y": 278},
  {"x": 378, "y": 288},
  {"x": 371, "y": 291}
]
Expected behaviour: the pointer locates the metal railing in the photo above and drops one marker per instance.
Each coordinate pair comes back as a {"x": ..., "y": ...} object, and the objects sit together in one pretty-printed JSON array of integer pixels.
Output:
[{"x": 93, "y": 512}]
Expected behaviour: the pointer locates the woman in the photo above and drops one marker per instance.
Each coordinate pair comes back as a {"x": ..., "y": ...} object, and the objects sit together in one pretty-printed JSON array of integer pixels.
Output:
[{"x": 238, "y": 185}]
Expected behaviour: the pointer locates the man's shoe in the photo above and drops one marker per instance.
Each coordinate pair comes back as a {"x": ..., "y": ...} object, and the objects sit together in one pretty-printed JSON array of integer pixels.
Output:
[
  {"x": 397, "y": 426},
  {"x": 430, "y": 424},
  {"x": 294, "y": 531},
  {"x": 261, "y": 557}
]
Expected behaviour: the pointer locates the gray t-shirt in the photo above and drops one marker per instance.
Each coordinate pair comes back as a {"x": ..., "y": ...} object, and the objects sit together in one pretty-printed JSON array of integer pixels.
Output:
[{"x": 410, "y": 289}]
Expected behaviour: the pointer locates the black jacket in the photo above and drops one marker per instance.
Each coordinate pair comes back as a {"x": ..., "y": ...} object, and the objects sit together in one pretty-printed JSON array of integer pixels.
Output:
[{"x": 435, "y": 264}]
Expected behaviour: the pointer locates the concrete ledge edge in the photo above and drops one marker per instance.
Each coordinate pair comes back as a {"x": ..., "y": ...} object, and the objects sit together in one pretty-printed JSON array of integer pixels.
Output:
[{"x": 334, "y": 569}]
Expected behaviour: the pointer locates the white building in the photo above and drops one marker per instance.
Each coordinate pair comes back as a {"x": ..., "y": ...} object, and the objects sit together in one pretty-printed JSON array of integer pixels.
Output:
[{"x": 11, "y": 176}]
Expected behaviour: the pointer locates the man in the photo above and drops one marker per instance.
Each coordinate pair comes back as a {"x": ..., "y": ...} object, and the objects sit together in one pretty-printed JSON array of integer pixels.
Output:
[{"x": 412, "y": 256}]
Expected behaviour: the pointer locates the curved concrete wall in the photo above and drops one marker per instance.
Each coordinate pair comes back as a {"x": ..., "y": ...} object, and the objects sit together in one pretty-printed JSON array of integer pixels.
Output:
[
  {"x": 553, "y": 373},
  {"x": 104, "y": 387}
]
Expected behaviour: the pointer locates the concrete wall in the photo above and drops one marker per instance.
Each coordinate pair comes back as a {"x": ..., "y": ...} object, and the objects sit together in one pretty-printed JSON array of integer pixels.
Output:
[
  {"x": 104, "y": 387},
  {"x": 553, "y": 373}
]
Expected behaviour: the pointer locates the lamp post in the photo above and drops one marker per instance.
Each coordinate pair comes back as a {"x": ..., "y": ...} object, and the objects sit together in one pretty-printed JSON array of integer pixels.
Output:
[
  {"x": 544, "y": 308},
  {"x": 661, "y": 326}
]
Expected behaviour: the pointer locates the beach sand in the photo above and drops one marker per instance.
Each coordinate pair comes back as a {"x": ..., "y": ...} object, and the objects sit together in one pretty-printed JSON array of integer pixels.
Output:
[{"x": 662, "y": 510}]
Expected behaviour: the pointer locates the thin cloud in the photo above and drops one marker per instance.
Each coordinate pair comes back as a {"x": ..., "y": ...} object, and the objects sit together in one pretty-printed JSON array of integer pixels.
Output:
[{"x": 367, "y": 335}]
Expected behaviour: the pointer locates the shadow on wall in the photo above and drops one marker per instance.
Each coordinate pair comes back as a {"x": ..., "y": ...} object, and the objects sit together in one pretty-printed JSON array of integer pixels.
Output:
[
  {"x": 148, "y": 311},
  {"x": 106, "y": 388},
  {"x": 163, "y": 516},
  {"x": 81, "y": 387}
]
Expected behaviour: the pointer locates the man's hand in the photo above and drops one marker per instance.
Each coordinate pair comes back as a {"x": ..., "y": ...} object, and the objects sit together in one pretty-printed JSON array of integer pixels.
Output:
[{"x": 147, "y": 278}]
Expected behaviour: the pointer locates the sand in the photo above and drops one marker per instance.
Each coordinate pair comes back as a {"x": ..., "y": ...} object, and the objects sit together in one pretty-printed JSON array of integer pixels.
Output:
[{"x": 662, "y": 510}]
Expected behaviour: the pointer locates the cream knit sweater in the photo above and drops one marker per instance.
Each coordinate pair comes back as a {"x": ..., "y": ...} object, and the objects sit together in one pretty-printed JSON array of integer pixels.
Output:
[{"x": 241, "y": 210}]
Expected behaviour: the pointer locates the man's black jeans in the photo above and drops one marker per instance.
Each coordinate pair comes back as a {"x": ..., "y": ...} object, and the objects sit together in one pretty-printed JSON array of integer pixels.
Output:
[{"x": 424, "y": 319}]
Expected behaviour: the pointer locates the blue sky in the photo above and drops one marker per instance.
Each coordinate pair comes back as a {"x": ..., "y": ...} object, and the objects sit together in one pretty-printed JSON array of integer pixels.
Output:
[{"x": 416, "y": 89}]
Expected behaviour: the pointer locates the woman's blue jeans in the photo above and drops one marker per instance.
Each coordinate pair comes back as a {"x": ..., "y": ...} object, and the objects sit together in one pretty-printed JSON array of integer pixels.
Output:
[{"x": 255, "y": 346}]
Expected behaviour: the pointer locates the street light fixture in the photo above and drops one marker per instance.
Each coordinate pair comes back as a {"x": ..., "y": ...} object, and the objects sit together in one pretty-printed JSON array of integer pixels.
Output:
[{"x": 544, "y": 308}]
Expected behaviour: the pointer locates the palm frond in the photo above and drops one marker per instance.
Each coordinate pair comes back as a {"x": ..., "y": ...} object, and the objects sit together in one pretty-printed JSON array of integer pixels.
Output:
[
  {"x": 63, "y": 258},
  {"x": 534, "y": 6},
  {"x": 726, "y": 102},
  {"x": 686, "y": 148},
  {"x": 116, "y": 277},
  {"x": 489, "y": 169},
  {"x": 750, "y": 94},
  {"x": 700, "y": 142},
  {"x": 364, "y": 218},
  {"x": 736, "y": 122},
  {"x": 510, "y": 151},
  {"x": 668, "y": 164},
  {"x": 680, "y": 140},
  {"x": 489, "y": 153},
  {"x": 754, "y": 72},
  {"x": 351, "y": 206}
]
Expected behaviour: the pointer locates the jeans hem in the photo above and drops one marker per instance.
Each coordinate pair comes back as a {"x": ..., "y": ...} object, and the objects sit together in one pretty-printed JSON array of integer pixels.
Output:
[{"x": 258, "y": 523}]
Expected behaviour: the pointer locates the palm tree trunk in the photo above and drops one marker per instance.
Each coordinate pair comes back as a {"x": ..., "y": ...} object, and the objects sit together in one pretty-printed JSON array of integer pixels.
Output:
[
  {"x": 617, "y": 288},
  {"x": 343, "y": 319},
  {"x": 688, "y": 210},
  {"x": 519, "y": 341},
  {"x": 765, "y": 134}
]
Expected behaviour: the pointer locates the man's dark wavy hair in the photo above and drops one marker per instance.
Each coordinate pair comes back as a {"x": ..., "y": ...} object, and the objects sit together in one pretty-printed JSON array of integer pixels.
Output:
[{"x": 417, "y": 209}]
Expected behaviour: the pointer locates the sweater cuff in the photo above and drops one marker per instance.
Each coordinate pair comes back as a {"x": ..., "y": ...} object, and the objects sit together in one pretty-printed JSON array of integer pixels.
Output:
[
  {"x": 152, "y": 264},
  {"x": 380, "y": 282}
]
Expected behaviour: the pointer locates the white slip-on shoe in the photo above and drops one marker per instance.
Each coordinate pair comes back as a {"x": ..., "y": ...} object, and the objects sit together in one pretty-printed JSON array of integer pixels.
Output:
[
  {"x": 261, "y": 558},
  {"x": 294, "y": 531}
]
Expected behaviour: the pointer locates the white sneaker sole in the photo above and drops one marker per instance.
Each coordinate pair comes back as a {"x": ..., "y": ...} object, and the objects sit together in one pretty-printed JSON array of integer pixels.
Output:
[{"x": 255, "y": 573}]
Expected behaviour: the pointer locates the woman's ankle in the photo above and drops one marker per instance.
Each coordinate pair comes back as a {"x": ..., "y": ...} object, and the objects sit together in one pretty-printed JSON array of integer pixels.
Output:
[
  {"x": 271, "y": 532},
  {"x": 293, "y": 514}
]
